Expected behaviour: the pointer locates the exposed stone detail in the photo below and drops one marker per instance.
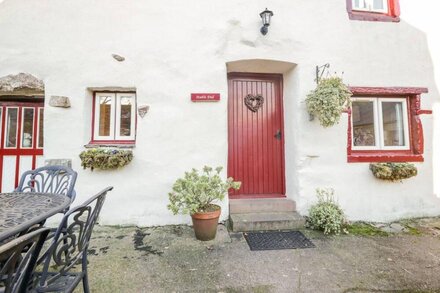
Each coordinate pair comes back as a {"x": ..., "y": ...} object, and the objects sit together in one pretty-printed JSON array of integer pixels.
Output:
[
  {"x": 118, "y": 57},
  {"x": 142, "y": 110},
  {"x": 21, "y": 83},
  {"x": 59, "y": 101}
]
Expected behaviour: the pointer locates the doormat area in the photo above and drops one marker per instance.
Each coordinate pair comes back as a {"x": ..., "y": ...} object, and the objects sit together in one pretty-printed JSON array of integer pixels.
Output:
[{"x": 277, "y": 240}]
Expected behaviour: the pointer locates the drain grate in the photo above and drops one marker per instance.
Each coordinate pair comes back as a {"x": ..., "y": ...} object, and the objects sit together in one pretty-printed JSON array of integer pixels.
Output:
[{"x": 277, "y": 240}]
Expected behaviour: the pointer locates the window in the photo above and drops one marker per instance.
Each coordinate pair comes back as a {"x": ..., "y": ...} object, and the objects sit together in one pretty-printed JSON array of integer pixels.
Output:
[
  {"x": 385, "y": 125},
  {"x": 114, "y": 117},
  {"x": 380, "y": 124},
  {"x": 374, "y": 10},
  {"x": 371, "y": 5}
]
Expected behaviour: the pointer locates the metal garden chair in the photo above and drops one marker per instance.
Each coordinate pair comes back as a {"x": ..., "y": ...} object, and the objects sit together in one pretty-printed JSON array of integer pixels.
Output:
[
  {"x": 18, "y": 259},
  {"x": 49, "y": 179},
  {"x": 69, "y": 248}
]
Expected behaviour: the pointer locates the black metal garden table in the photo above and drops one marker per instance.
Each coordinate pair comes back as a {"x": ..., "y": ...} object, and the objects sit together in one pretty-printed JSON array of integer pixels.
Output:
[{"x": 20, "y": 211}]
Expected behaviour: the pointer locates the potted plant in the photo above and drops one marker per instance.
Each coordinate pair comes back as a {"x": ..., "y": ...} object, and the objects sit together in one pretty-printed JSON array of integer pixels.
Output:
[{"x": 195, "y": 193}]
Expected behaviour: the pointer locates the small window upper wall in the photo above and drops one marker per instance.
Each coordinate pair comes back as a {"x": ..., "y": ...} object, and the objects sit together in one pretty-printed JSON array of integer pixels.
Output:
[{"x": 374, "y": 10}]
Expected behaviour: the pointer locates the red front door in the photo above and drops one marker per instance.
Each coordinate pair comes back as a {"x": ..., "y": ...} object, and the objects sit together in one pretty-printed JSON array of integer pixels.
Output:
[
  {"x": 21, "y": 140},
  {"x": 256, "y": 135}
]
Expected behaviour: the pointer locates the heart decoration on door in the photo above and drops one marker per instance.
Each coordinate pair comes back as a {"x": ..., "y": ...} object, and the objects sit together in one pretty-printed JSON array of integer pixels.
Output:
[{"x": 253, "y": 102}]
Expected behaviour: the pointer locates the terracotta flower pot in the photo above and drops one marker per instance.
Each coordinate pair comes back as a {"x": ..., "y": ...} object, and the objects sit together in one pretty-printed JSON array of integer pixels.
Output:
[{"x": 205, "y": 224}]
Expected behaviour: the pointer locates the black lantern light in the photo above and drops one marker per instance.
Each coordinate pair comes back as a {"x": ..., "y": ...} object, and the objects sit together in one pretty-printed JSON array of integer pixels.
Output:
[{"x": 265, "y": 17}]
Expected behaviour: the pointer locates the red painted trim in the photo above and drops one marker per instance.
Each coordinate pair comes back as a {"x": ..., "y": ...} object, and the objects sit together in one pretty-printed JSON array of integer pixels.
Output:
[
  {"x": 386, "y": 157},
  {"x": 2, "y": 140},
  {"x": 250, "y": 196},
  {"x": 93, "y": 116},
  {"x": 392, "y": 16},
  {"x": 387, "y": 91},
  {"x": 422, "y": 112},
  {"x": 416, "y": 141}
]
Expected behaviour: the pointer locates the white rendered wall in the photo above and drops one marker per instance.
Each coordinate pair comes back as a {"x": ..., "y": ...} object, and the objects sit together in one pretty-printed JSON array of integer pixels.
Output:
[{"x": 174, "y": 48}]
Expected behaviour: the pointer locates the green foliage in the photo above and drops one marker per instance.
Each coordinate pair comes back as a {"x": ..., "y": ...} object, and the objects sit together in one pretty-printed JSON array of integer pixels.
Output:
[
  {"x": 393, "y": 171},
  {"x": 105, "y": 159},
  {"x": 365, "y": 229},
  {"x": 195, "y": 192},
  {"x": 326, "y": 215},
  {"x": 328, "y": 100}
]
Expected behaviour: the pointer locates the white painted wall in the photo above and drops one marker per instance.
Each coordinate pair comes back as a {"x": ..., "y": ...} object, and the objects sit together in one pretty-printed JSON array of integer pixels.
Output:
[{"x": 175, "y": 48}]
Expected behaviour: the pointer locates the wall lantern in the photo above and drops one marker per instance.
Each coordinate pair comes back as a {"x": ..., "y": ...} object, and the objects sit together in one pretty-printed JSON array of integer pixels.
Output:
[{"x": 265, "y": 17}]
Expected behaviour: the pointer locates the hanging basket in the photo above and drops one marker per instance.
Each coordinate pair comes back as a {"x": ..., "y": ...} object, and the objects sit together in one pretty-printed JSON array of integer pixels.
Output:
[
  {"x": 105, "y": 159},
  {"x": 327, "y": 102},
  {"x": 393, "y": 171}
]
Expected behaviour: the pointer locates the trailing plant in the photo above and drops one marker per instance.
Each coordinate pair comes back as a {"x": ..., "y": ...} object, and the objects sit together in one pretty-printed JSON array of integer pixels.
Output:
[
  {"x": 330, "y": 98},
  {"x": 393, "y": 171},
  {"x": 326, "y": 215},
  {"x": 105, "y": 159},
  {"x": 195, "y": 192}
]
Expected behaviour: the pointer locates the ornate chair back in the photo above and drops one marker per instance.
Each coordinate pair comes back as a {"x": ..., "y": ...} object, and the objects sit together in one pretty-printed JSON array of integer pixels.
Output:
[
  {"x": 49, "y": 179},
  {"x": 70, "y": 242},
  {"x": 18, "y": 259}
]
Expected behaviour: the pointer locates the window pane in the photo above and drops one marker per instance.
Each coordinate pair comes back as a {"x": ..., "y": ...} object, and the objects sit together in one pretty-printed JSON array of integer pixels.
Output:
[
  {"x": 393, "y": 128},
  {"x": 41, "y": 128},
  {"x": 28, "y": 128},
  {"x": 125, "y": 104},
  {"x": 105, "y": 105},
  {"x": 11, "y": 128},
  {"x": 363, "y": 123},
  {"x": 378, "y": 4}
]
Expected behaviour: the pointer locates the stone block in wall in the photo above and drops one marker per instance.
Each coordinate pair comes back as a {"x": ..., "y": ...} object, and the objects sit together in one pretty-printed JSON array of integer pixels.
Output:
[
  {"x": 59, "y": 162},
  {"x": 59, "y": 101}
]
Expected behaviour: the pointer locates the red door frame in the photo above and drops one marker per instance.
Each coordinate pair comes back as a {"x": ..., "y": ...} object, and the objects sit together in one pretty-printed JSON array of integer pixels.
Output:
[
  {"x": 18, "y": 151},
  {"x": 278, "y": 79}
]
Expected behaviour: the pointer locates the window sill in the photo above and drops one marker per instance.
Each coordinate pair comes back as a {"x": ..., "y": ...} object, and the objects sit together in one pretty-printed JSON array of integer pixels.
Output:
[
  {"x": 394, "y": 157},
  {"x": 372, "y": 16},
  {"x": 122, "y": 145}
]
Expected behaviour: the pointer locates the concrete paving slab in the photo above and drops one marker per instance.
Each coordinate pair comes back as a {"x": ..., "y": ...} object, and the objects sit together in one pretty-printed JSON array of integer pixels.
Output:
[{"x": 170, "y": 259}]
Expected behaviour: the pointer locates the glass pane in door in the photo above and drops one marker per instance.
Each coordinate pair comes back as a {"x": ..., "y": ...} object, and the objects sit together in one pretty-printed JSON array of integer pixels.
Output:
[
  {"x": 11, "y": 128},
  {"x": 27, "y": 137}
]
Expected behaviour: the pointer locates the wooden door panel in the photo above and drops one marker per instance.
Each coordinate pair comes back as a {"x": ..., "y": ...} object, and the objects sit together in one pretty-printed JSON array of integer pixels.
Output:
[{"x": 255, "y": 154}]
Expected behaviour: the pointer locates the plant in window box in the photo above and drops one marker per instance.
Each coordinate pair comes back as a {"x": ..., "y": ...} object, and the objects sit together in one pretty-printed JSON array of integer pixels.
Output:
[
  {"x": 195, "y": 193},
  {"x": 393, "y": 171},
  {"x": 330, "y": 98},
  {"x": 105, "y": 159}
]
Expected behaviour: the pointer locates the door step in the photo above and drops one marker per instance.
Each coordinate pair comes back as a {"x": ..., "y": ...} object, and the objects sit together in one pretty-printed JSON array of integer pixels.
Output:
[
  {"x": 264, "y": 221},
  {"x": 261, "y": 205}
]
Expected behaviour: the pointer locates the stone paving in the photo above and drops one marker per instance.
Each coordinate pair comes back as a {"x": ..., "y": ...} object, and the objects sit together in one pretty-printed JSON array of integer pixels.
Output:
[{"x": 169, "y": 259}]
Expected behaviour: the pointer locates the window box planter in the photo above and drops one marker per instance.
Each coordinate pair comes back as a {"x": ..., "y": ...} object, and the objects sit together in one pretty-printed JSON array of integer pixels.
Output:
[{"x": 105, "y": 159}]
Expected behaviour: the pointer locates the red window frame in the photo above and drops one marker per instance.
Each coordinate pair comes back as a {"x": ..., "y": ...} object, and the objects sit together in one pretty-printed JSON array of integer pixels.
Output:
[
  {"x": 94, "y": 141},
  {"x": 415, "y": 153},
  {"x": 393, "y": 14}
]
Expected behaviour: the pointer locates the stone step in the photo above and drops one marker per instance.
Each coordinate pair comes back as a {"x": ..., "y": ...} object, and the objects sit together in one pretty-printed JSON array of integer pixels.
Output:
[
  {"x": 266, "y": 221},
  {"x": 261, "y": 205}
]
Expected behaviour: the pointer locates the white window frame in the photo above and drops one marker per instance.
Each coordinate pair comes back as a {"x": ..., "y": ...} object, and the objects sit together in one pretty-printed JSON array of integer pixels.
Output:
[
  {"x": 118, "y": 116},
  {"x": 97, "y": 116},
  {"x": 405, "y": 123},
  {"x": 39, "y": 109},
  {"x": 378, "y": 124},
  {"x": 22, "y": 128},
  {"x": 369, "y": 7},
  {"x": 6, "y": 129},
  {"x": 115, "y": 113}
]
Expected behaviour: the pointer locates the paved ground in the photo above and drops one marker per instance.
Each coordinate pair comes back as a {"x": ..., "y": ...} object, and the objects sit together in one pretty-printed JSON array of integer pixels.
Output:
[{"x": 169, "y": 259}]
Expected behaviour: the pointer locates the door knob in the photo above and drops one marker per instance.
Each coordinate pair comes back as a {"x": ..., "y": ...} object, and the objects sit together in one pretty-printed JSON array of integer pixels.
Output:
[{"x": 278, "y": 134}]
